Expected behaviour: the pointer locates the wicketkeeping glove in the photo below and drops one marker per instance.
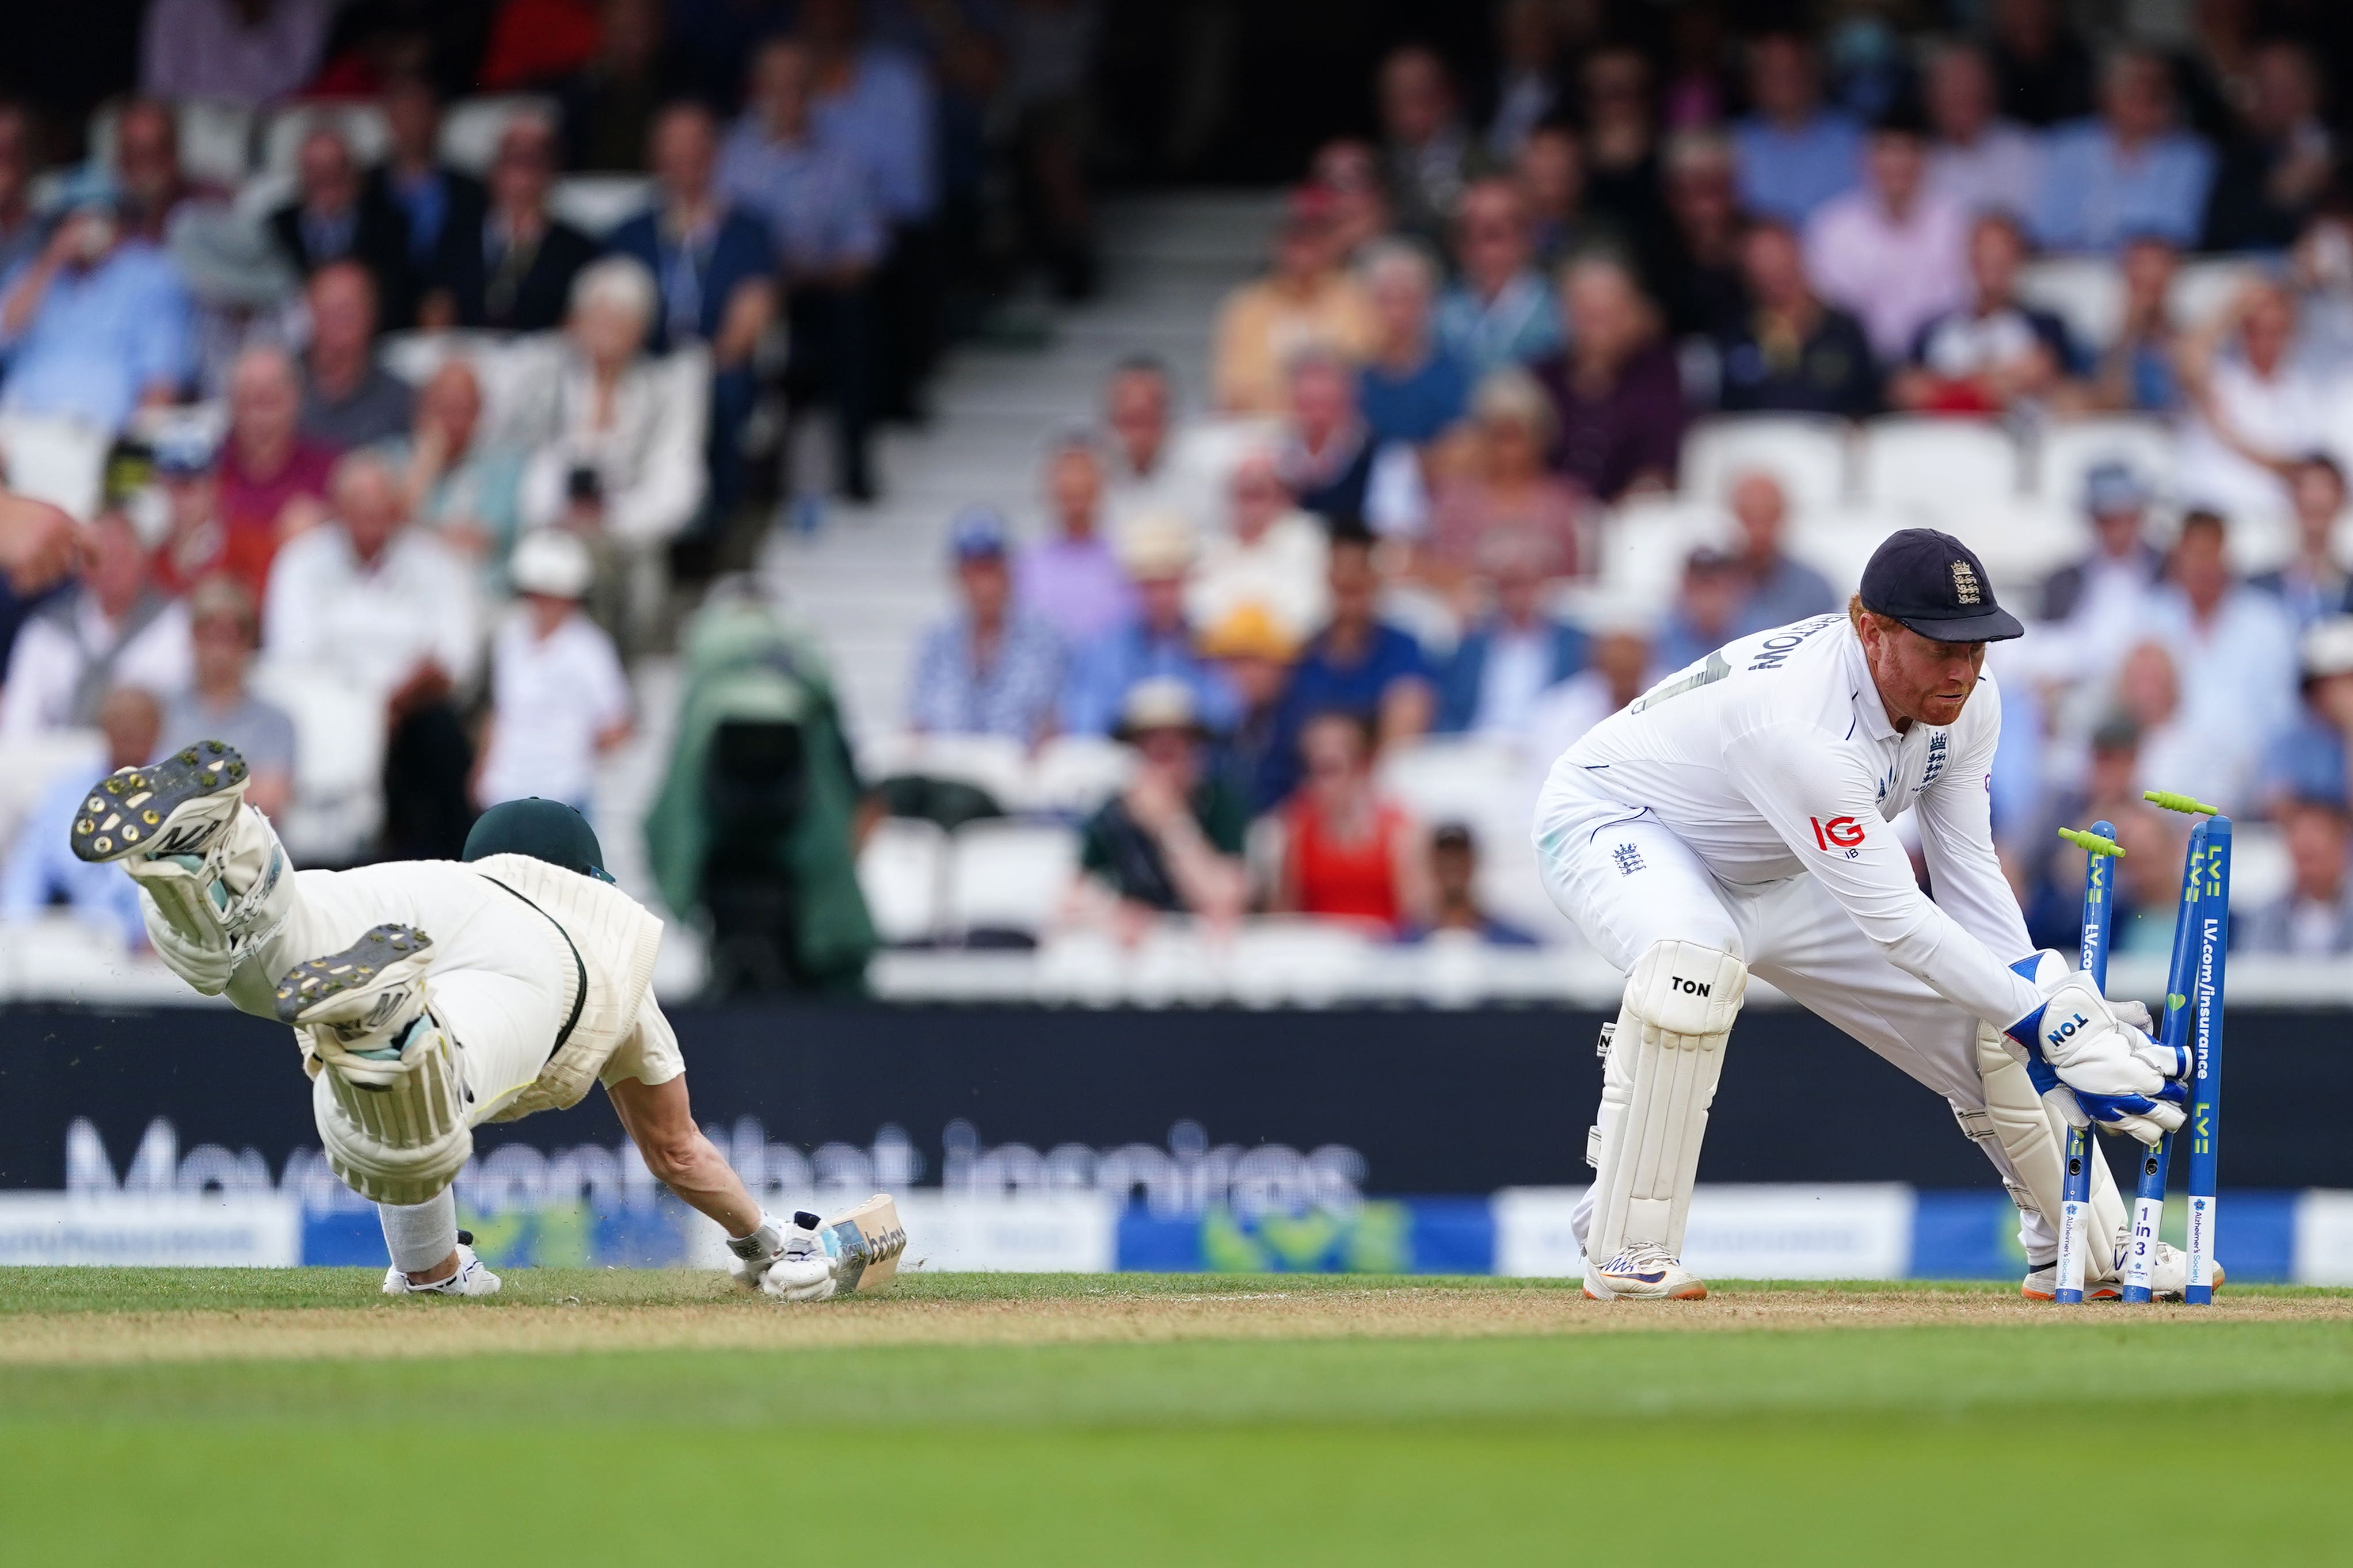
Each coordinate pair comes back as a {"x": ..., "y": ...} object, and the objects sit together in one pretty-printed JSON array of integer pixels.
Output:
[{"x": 2096, "y": 1067}]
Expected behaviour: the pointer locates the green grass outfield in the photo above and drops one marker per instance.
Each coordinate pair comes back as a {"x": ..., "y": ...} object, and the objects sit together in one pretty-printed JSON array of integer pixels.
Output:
[{"x": 1150, "y": 1419}]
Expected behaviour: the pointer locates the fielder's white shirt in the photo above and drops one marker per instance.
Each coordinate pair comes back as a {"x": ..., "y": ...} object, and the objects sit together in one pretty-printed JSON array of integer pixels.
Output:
[{"x": 1774, "y": 757}]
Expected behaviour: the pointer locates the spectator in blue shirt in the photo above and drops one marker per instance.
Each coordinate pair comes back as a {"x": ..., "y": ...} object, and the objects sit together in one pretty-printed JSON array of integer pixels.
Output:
[
  {"x": 873, "y": 102},
  {"x": 95, "y": 326},
  {"x": 1794, "y": 154},
  {"x": 828, "y": 229},
  {"x": 2130, "y": 171},
  {"x": 2308, "y": 758},
  {"x": 1358, "y": 663},
  {"x": 1156, "y": 642},
  {"x": 1705, "y": 612},
  {"x": 1501, "y": 312},
  {"x": 717, "y": 274},
  {"x": 41, "y": 872},
  {"x": 435, "y": 198},
  {"x": 1515, "y": 654},
  {"x": 991, "y": 669},
  {"x": 1781, "y": 588},
  {"x": 1412, "y": 389}
]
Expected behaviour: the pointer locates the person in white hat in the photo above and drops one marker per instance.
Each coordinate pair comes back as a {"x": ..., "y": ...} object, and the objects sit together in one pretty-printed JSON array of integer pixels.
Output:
[{"x": 558, "y": 697}]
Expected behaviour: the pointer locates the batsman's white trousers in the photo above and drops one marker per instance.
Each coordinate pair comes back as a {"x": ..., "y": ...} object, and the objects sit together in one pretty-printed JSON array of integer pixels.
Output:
[
  {"x": 502, "y": 978},
  {"x": 1627, "y": 880}
]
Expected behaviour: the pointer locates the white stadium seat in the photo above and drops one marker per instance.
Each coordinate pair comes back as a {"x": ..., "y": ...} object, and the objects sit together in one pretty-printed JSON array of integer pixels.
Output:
[
  {"x": 338, "y": 763},
  {"x": 2084, "y": 291},
  {"x": 2260, "y": 869},
  {"x": 901, "y": 870},
  {"x": 597, "y": 204},
  {"x": 1808, "y": 453},
  {"x": 364, "y": 126},
  {"x": 1837, "y": 541},
  {"x": 991, "y": 763},
  {"x": 215, "y": 138},
  {"x": 55, "y": 458},
  {"x": 1008, "y": 876},
  {"x": 2022, "y": 542},
  {"x": 1074, "y": 774},
  {"x": 2070, "y": 448},
  {"x": 470, "y": 127},
  {"x": 1643, "y": 544},
  {"x": 2203, "y": 288},
  {"x": 37, "y": 763},
  {"x": 1941, "y": 467},
  {"x": 1473, "y": 779}
]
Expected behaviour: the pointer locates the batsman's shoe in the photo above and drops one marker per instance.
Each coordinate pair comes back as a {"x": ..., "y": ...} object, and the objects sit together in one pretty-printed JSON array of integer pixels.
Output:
[
  {"x": 357, "y": 1004},
  {"x": 176, "y": 807},
  {"x": 756, "y": 1253},
  {"x": 2169, "y": 1272},
  {"x": 473, "y": 1279},
  {"x": 1644, "y": 1271},
  {"x": 803, "y": 1270}
]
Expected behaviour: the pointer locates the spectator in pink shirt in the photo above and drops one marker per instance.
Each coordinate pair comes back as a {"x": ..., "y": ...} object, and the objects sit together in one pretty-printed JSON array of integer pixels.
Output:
[{"x": 1891, "y": 250}]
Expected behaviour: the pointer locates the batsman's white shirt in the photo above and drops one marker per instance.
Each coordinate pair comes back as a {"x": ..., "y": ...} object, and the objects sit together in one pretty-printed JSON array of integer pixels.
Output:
[{"x": 1744, "y": 802}]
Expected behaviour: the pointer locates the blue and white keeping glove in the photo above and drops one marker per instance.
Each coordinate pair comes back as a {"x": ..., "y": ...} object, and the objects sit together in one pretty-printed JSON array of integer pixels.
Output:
[{"x": 2092, "y": 1062}]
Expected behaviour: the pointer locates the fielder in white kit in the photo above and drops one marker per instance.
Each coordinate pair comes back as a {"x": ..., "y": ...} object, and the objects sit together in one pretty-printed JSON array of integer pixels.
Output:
[
  {"x": 1735, "y": 821},
  {"x": 430, "y": 997}
]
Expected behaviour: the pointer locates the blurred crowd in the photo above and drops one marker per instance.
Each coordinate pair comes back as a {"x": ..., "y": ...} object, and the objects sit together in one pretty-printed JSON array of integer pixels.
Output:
[
  {"x": 430, "y": 358},
  {"x": 1482, "y": 337},
  {"x": 411, "y": 451}
]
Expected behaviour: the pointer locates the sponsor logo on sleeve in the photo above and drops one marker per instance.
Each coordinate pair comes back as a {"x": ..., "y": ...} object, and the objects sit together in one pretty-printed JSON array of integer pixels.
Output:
[{"x": 1842, "y": 834}]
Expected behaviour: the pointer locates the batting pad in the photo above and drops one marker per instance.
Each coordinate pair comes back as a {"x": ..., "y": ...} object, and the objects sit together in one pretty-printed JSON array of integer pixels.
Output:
[
  {"x": 2034, "y": 1138},
  {"x": 1657, "y": 1083},
  {"x": 404, "y": 1142}
]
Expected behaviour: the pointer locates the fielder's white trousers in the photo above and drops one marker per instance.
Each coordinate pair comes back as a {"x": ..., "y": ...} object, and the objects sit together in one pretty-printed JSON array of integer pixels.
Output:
[{"x": 1628, "y": 881}]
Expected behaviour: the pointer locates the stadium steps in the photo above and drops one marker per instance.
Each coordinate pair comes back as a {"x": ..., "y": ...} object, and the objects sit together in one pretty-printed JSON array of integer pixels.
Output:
[{"x": 871, "y": 578}]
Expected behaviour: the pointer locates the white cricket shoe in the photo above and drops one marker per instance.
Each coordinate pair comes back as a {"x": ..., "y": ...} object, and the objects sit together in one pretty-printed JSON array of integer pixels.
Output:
[
  {"x": 755, "y": 1254},
  {"x": 1644, "y": 1271},
  {"x": 804, "y": 1268},
  {"x": 2168, "y": 1274},
  {"x": 473, "y": 1279}
]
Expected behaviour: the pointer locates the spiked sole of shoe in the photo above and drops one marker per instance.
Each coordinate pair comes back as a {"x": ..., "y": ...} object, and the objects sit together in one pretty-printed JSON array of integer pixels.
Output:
[
  {"x": 129, "y": 812},
  {"x": 308, "y": 985}
]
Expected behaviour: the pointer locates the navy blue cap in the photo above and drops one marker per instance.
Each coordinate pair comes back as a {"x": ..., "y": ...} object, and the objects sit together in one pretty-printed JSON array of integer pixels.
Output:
[
  {"x": 546, "y": 830},
  {"x": 1935, "y": 585},
  {"x": 979, "y": 532}
]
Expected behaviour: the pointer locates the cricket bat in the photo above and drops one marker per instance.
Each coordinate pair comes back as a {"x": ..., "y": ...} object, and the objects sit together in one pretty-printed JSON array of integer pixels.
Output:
[{"x": 867, "y": 1239}]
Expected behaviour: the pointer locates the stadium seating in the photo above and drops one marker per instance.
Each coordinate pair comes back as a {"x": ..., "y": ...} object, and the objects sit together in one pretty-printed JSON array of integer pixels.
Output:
[
  {"x": 55, "y": 458},
  {"x": 1808, "y": 453},
  {"x": 470, "y": 127},
  {"x": 338, "y": 764},
  {"x": 597, "y": 204},
  {"x": 1008, "y": 877},
  {"x": 2070, "y": 448},
  {"x": 902, "y": 871},
  {"x": 36, "y": 764},
  {"x": 1935, "y": 466},
  {"x": 1073, "y": 775},
  {"x": 362, "y": 124}
]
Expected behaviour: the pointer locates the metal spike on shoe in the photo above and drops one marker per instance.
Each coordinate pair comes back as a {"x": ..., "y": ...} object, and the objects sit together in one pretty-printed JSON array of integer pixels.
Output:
[
  {"x": 131, "y": 810},
  {"x": 316, "y": 980}
]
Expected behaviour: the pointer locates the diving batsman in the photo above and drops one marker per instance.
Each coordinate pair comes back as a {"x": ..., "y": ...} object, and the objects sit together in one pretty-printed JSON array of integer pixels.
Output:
[
  {"x": 1735, "y": 820},
  {"x": 430, "y": 997}
]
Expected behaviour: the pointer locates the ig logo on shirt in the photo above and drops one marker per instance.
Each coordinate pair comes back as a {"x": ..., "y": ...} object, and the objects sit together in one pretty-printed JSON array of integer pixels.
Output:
[{"x": 1843, "y": 833}]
